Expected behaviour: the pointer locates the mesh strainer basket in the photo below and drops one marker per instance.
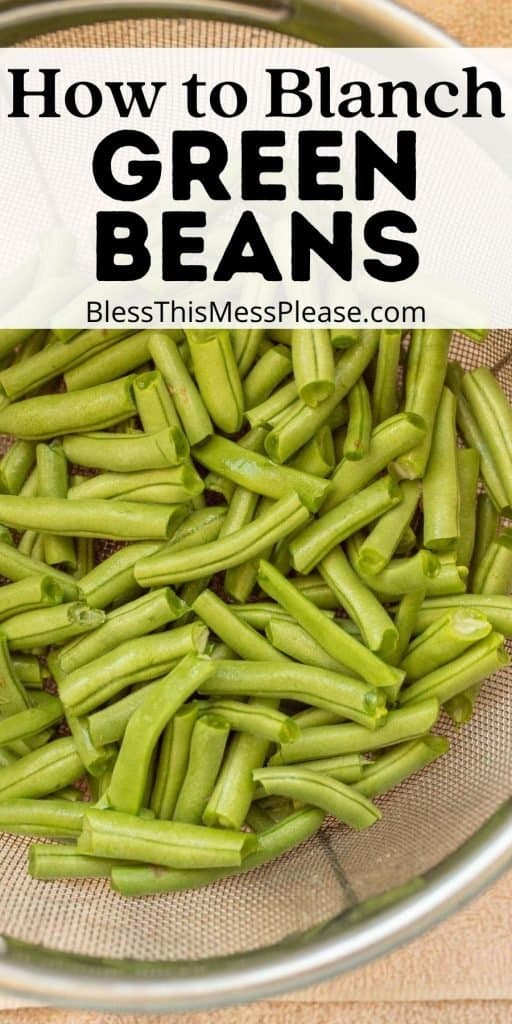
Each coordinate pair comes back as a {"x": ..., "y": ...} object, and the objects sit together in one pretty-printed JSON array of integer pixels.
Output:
[{"x": 341, "y": 898}]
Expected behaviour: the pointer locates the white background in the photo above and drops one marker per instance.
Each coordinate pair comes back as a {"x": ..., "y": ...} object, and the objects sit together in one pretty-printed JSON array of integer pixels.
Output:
[{"x": 463, "y": 210}]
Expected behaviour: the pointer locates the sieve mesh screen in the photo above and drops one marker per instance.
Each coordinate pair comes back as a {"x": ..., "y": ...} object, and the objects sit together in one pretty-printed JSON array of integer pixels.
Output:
[
  {"x": 188, "y": 32},
  {"x": 425, "y": 818}
]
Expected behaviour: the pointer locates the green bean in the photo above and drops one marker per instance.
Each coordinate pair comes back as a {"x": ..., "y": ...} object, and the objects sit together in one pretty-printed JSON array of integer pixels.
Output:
[
  {"x": 50, "y": 415},
  {"x": 96, "y": 760},
  {"x": 347, "y": 697},
  {"x": 33, "y": 344},
  {"x": 470, "y": 430},
  {"x": 497, "y": 609},
  {"x": 190, "y": 407},
  {"x": 51, "y": 862},
  {"x": 357, "y": 440},
  {"x": 207, "y": 746},
  {"x": 257, "y": 473},
  {"x": 52, "y": 482},
  {"x": 168, "y": 843},
  {"x": 426, "y": 370},
  {"x": 234, "y": 790},
  {"x": 109, "y": 723},
  {"x": 317, "y": 456},
  {"x": 313, "y": 587},
  {"x": 441, "y": 495},
  {"x": 330, "y": 795},
  {"x": 29, "y": 489},
  {"x": 13, "y": 697},
  {"x": 347, "y": 768},
  {"x": 285, "y": 516},
  {"x": 304, "y": 422},
  {"x": 116, "y": 361},
  {"x": 382, "y": 542},
  {"x": 266, "y": 375},
  {"x": 402, "y": 575},
  {"x": 461, "y": 707},
  {"x": 487, "y": 520},
  {"x": 468, "y": 471},
  {"x": 243, "y": 639},
  {"x": 50, "y": 625},
  {"x": 259, "y": 613},
  {"x": 339, "y": 417},
  {"x": 113, "y": 578},
  {"x": 28, "y": 670},
  {"x": 399, "y": 434},
  {"x": 331, "y": 638},
  {"x": 454, "y": 377},
  {"x": 287, "y": 636},
  {"x": 16, "y": 465},
  {"x": 239, "y": 581},
  {"x": 316, "y": 716},
  {"x": 407, "y": 723},
  {"x": 200, "y": 527},
  {"x": 27, "y": 544},
  {"x": 258, "y": 819},
  {"x": 480, "y": 661},
  {"x": 52, "y": 361},
  {"x": 133, "y": 661},
  {"x": 126, "y": 789},
  {"x": 84, "y": 556},
  {"x": 320, "y": 537},
  {"x": 405, "y": 621},
  {"x": 266, "y": 412},
  {"x": 278, "y": 808},
  {"x": 384, "y": 394},
  {"x": 53, "y": 818},
  {"x": 313, "y": 365},
  {"x": 256, "y": 719},
  {"x": 240, "y": 510},
  {"x": 27, "y": 723},
  {"x": 494, "y": 573},
  {"x": 246, "y": 345},
  {"x": 451, "y": 578},
  {"x": 41, "y": 771},
  {"x": 399, "y": 763},
  {"x": 220, "y": 651},
  {"x": 173, "y": 760},
  {"x": 7, "y": 757},
  {"x": 217, "y": 377},
  {"x": 374, "y": 623},
  {"x": 126, "y": 453},
  {"x": 282, "y": 836},
  {"x": 96, "y": 517},
  {"x": 145, "y": 615},
  {"x": 29, "y": 593},
  {"x": 169, "y": 486},
  {"x": 493, "y": 415},
  {"x": 408, "y": 543},
  {"x": 252, "y": 441},
  {"x": 446, "y": 639},
  {"x": 154, "y": 404}
]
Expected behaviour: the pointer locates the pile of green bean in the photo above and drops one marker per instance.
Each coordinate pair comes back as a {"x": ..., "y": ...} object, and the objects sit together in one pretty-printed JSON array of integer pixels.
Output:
[{"x": 310, "y": 566}]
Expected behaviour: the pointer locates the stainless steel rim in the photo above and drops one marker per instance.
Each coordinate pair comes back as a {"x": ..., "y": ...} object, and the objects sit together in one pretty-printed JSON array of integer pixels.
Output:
[
  {"x": 345, "y": 943},
  {"x": 325, "y": 22},
  {"x": 376, "y": 927}
]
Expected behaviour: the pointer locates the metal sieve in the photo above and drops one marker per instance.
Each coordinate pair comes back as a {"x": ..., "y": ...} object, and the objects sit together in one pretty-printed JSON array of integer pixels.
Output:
[{"x": 341, "y": 898}]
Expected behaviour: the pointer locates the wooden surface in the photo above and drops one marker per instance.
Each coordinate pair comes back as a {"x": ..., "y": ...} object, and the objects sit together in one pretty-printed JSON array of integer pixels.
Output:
[{"x": 463, "y": 967}]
